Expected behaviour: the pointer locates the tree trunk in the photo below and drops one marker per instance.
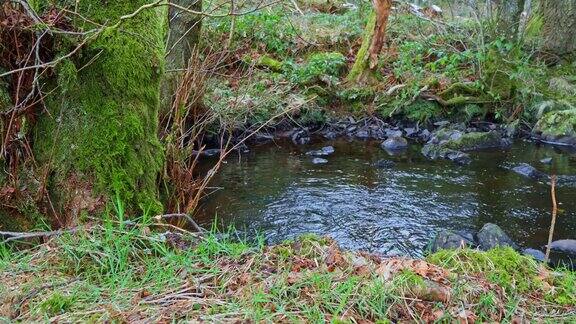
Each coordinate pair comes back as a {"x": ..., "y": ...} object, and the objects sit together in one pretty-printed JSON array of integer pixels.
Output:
[
  {"x": 508, "y": 18},
  {"x": 559, "y": 26},
  {"x": 183, "y": 36},
  {"x": 374, "y": 36},
  {"x": 99, "y": 138}
]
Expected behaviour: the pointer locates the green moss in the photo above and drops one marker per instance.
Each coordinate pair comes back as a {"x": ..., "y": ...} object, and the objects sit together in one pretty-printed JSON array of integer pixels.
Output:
[
  {"x": 361, "y": 62},
  {"x": 502, "y": 266},
  {"x": 104, "y": 124},
  {"x": 270, "y": 63},
  {"x": 475, "y": 140},
  {"x": 558, "y": 123}
]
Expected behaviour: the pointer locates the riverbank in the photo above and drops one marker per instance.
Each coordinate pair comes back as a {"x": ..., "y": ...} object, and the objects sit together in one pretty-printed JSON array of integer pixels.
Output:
[{"x": 128, "y": 273}]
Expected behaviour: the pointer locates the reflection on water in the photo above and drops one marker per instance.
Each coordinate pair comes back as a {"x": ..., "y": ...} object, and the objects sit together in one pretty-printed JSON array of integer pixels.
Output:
[{"x": 276, "y": 191}]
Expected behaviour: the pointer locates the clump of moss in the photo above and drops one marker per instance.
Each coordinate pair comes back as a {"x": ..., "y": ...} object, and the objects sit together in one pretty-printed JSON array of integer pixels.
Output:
[
  {"x": 502, "y": 266},
  {"x": 103, "y": 126},
  {"x": 557, "y": 124}
]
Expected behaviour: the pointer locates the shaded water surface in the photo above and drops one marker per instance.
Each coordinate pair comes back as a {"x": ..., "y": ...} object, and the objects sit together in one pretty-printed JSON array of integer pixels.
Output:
[{"x": 276, "y": 191}]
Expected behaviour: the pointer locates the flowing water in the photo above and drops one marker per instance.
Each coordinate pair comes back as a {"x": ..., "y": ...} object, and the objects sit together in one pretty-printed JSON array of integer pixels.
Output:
[{"x": 276, "y": 191}]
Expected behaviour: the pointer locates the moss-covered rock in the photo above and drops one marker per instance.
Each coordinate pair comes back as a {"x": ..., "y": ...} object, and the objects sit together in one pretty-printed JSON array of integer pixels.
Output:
[
  {"x": 450, "y": 144},
  {"x": 558, "y": 126},
  {"x": 101, "y": 131}
]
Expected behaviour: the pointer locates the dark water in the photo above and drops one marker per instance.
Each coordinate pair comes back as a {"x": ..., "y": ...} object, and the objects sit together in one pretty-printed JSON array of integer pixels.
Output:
[{"x": 276, "y": 191}]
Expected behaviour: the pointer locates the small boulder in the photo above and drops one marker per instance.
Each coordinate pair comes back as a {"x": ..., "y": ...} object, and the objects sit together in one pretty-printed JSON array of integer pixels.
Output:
[
  {"x": 529, "y": 171},
  {"x": 319, "y": 161},
  {"x": 491, "y": 236},
  {"x": 395, "y": 143},
  {"x": 446, "y": 239},
  {"x": 547, "y": 160},
  {"x": 565, "y": 246},
  {"x": 536, "y": 254},
  {"x": 384, "y": 164}
]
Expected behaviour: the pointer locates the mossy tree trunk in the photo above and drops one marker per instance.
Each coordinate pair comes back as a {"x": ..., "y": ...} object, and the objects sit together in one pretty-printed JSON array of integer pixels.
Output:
[
  {"x": 373, "y": 41},
  {"x": 99, "y": 137},
  {"x": 183, "y": 35},
  {"x": 559, "y": 26}
]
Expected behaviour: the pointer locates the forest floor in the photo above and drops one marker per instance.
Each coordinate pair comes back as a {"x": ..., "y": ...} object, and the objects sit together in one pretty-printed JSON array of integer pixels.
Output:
[{"x": 128, "y": 273}]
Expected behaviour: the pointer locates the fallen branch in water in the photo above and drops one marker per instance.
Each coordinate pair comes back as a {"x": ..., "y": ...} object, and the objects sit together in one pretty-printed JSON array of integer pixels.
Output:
[{"x": 554, "y": 212}]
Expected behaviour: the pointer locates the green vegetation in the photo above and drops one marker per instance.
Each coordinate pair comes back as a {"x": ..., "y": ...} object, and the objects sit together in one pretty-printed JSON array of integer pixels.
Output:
[{"x": 121, "y": 270}]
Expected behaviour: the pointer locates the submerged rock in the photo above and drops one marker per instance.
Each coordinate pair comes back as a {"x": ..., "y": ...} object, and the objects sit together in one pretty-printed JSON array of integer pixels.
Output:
[
  {"x": 395, "y": 143},
  {"x": 325, "y": 151},
  {"x": 446, "y": 239},
  {"x": 384, "y": 164},
  {"x": 566, "y": 246},
  {"x": 529, "y": 171},
  {"x": 536, "y": 254},
  {"x": 491, "y": 236},
  {"x": 319, "y": 161}
]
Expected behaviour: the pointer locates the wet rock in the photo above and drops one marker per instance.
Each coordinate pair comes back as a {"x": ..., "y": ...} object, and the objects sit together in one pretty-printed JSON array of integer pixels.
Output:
[
  {"x": 458, "y": 157},
  {"x": 446, "y": 239},
  {"x": 394, "y": 143},
  {"x": 529, "y": 171},
  {"x": 319, "y": 161},
  {"x": 425, "y": 135},
  {"x": 300, "y": 137},
  {"x": 325, "y": 151},
  {"x": 411, "y": 132},
  {"x": 363, "y": 133},
  {"x": 536, "y": 254},
  {"x": 491, "y": 236},
  {"x": 384, "y": 164},
  {"x": 390, "y": 132},
  {"x": 565, "y": 246},
  {"x": 547, "y": 160}
]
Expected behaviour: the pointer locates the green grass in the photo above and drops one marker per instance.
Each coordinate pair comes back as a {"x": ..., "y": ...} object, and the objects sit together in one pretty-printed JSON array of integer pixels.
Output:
[{"x": 118, "y": 270}]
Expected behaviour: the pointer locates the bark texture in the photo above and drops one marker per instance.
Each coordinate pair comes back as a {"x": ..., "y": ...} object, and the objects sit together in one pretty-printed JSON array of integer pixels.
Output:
[
  {"x": 508, "y": 19},
  {"x": 183, "y": 35},
  {"x": 373, "y": 41},
  {"x": 559, "y": 26}
]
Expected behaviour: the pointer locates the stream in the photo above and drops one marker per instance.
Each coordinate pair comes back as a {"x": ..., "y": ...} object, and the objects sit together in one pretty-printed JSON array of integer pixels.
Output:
[{"x": 277, "y": 192}]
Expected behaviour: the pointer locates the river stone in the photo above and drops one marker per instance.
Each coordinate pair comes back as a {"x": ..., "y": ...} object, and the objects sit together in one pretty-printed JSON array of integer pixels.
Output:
[
  {"x": 325, "y": 151},
  {"x": 446, "y": 239},
  {"x": 384, "y": 164},
  {"x": 491, "y": 236},
  {"x": 319, "y": 161},
  {"x": 395, "y": 143},
  {"x": 547, "y": 160},
  {"x": 300, "y": 137},
  {"x": 529, "y": 171},
  {"x": 536, "y": 254},
  {"x": 566, "y": 246}
]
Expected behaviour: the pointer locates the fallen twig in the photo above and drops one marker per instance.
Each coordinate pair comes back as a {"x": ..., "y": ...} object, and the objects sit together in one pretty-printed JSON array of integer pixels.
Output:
[
  {"x": 182, "y": 215},
  {"x": 554, "y": 212},
  {"x": 13, "y": 236}
]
